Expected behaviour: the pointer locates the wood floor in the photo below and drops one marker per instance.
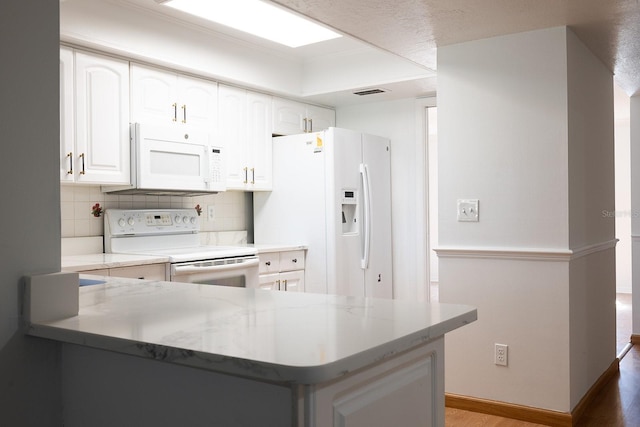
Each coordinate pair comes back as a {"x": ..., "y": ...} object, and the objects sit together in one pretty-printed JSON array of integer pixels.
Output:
[{"x": 617, "y": 406}]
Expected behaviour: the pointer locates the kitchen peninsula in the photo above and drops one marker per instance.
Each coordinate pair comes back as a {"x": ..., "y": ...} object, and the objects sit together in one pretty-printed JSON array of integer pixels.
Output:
[{"x": 157, "y": 353}]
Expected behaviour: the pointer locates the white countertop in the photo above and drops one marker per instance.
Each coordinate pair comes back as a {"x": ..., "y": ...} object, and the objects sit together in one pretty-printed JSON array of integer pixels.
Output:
[
  {"x": 96, "y": 261},
  {"x": 265, "y": 248},
  {"x": 100, "y": 261},
  {"x": 267, "y": 335}
]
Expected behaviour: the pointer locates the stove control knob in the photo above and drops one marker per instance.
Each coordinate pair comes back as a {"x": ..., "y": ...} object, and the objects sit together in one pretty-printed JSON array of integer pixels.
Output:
[
  {"x": 178, "y": 219},
  {"x": 121, "y": 222},
  {"x": 193, "y": 220},
  {"x": 131, "y": 221},
  {"x": 185, "y": 219}
]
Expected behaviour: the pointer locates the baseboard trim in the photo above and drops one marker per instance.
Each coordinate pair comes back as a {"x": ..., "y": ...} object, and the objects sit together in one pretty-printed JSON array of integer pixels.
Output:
[
  {"x": 635, "y": 339},
  {"x": 595, "y": 389},
  {"x": 530, "y": 414},
  {"x": 508, "y": 410}
]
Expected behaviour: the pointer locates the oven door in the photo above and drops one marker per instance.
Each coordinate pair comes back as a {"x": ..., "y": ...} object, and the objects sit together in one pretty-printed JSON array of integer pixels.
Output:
[{"x": 239, "y": 272}]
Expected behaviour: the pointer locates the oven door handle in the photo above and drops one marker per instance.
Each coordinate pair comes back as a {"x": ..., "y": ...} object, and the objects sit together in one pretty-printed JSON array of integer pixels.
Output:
[{"x": 193, "y": 267}]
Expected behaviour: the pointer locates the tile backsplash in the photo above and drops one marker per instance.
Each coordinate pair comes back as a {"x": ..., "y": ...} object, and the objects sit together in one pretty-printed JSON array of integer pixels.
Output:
[{"x": 77, "y": 220}]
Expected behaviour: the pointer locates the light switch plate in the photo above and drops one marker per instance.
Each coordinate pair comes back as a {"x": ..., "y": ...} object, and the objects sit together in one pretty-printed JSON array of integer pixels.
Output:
[{"x": 468, "y": 210}]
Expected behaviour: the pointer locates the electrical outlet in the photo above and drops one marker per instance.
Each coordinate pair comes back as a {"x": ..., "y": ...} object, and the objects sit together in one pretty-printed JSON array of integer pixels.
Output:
[
  {"x": 211, "y": 212},
  {"x": 501, "y": 354}
]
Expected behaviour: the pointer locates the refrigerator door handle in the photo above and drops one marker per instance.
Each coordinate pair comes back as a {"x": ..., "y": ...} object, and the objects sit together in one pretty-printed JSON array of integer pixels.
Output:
[{"x": 364, "y": 174}]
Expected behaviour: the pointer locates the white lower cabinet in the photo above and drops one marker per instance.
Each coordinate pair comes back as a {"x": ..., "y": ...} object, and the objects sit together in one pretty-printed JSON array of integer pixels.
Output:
[
  {"x": 407, "y": 390},
  {"x": 404, "y": 389},
  {"x": 147, "y": 272},
  {"x": 282, "y": 271}
]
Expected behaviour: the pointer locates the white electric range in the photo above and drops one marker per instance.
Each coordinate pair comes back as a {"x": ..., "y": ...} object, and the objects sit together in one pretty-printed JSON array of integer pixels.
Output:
[{"x": 174, "y": 233}]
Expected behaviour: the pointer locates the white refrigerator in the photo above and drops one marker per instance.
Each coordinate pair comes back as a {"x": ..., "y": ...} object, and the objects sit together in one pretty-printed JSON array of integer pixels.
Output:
[{"x": 332, "y": 192}]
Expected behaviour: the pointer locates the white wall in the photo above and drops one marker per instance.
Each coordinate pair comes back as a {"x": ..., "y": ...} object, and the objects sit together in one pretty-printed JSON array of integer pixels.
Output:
[
  {"x": 635, "y": 207},
  {"x": 29, "y": 188},
  {"x": 623, "y": 211},
  {"x": 397, "y": 120},
  {"x": 506, "y": 143},
  {"x": 592, "y": 281},
  {"x": 525, "y": 124},
  {"x": 230, "y": 207}
]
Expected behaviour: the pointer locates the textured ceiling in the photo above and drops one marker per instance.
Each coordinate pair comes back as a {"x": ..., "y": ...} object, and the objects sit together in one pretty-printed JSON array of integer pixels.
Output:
[{"x": 413, "y": 29}]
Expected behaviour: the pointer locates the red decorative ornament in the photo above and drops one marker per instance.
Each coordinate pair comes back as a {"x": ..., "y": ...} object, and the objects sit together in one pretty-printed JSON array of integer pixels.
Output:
[
  {"x": 198, "y": 210},
  {"x": 96, "y": 210}
]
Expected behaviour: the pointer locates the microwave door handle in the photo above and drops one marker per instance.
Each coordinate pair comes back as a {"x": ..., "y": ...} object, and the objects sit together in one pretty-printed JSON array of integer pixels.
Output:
[{"x": 193, "y": 267}]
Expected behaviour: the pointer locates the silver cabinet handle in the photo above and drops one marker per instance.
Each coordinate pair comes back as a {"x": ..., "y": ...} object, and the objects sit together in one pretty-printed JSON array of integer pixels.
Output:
[
  {"x": 253, "y": 175},
  {"x": 70, "y": 156},
  {"x": 285, "y": 285},
  {"x": 184, "y": 113},
  {"x": 82, "y": 172},
  {"x": 175, "y": 111},
  {"x": 310, "y": 125},
  {"x": 305, "y": 124},
  {"x": 246, "y": 177}
]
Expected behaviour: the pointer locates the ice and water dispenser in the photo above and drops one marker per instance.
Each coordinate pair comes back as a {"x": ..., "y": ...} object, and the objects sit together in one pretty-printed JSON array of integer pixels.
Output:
[{"x": 349, "y": 211}]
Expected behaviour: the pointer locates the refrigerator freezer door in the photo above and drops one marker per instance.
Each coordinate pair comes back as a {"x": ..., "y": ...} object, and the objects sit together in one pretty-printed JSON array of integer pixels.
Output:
[{"x": 345, "y": 148}]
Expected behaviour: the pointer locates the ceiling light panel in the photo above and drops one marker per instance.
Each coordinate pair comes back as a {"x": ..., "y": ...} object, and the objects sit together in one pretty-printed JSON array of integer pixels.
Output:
[{"x": 258, "y": 18}]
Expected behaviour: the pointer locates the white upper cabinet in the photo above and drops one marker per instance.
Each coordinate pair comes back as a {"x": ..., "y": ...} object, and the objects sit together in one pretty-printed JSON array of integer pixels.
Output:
[
  {"x": 291, "y": 117},
  {"x": 163, "y": 98},
  {"x": 67, "y": 116},
  {"x": 94, "y": 130},
  {"x": 244, "y": 130}
]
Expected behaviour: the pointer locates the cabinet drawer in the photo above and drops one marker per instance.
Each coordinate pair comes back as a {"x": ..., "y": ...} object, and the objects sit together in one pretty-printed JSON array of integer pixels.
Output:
[
  {"x": 291, "y": 260},
  {"x": 148, "y": 272},
  {"x": 269, "y": 263}
]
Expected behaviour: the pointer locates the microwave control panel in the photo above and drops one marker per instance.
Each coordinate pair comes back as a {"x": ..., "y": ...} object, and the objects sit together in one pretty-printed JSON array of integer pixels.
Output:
[{"x": 217, "y": 173}]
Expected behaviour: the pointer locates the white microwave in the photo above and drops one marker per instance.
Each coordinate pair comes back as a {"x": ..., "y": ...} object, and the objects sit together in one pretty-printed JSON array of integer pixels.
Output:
[{"x": 168, "y": 160}]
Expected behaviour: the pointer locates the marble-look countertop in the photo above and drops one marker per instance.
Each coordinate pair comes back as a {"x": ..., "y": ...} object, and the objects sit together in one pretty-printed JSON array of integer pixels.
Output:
[
  {"x": 99, "y": 261},
  {"x": 265, "y": 248},
  {"x": 267, "y": 335}
]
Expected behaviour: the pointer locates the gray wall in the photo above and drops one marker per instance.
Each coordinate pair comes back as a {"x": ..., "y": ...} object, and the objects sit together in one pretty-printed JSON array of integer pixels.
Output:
[{"x": 30, "y": 242}]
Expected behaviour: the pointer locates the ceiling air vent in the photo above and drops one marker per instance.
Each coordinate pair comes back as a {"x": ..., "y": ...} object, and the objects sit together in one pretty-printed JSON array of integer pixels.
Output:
[{"x": 369, "y": 92}]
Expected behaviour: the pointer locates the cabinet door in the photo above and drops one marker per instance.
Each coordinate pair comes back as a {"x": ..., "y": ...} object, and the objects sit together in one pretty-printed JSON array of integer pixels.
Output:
[
  {"x": 319, "y": 118},
  {"x": 269, "y": 281},
  {"x": 197, "y": 103},
  {"x": 292, "y": 281},
  {"x": 154, "y": 96},
  {"x": 67, "y": 132},
  {"x": 259, "y": 150},
  {"x": 102, "y": 119},
  {"x": 288, "y": 117},
  {"x": 231, "y": 134},
  {"x": 405, "y": 390}
]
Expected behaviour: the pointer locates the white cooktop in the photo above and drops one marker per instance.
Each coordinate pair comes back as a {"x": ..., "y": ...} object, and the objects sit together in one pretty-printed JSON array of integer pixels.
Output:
[
  {"x": 197, "y": 253},
  {"x": 172, "y": 233}
]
